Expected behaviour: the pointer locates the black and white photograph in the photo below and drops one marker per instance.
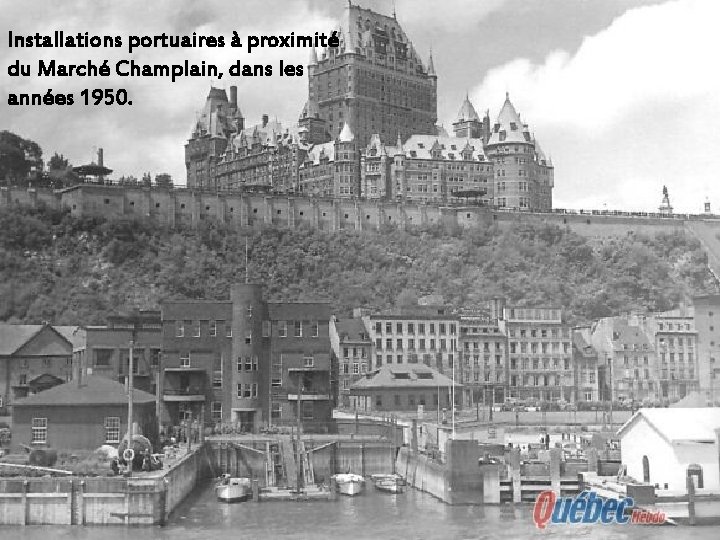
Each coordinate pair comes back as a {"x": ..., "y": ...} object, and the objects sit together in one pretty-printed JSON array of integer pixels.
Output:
[{"x": 373, "y": 269}]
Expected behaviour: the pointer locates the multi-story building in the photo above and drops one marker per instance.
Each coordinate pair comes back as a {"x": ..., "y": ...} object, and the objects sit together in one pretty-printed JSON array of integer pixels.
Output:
[
  {"x": 300, "y": 373},
  {"x": 35, "y": 357},
  {"x": 244, "y": 360},
  {"x": 107, "y": 350},
  {"x": 483, "y": 346},
  {"x": 540, "y": 354},
  {"x": 707, "y": 324},
  {"x": 375, "y": 80},
  {"x": 524, "y": 177},
  {"x": 416, "y": 335},
  {"x": 675, "y": 341},
  {"x": 585, "y": 363},
  {"x": 627, "y": 352},
  {"x": 197, "y": 361},
  {"x": 352, "y": 350}
]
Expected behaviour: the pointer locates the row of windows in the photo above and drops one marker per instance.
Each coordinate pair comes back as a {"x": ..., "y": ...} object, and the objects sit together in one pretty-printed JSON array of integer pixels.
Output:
[
  {"x": 522, "y": 347},
  {"x": 410, "y": 400},
  {"x": 400, "y": 328},
  {"x": 247, "y": 390},
  {"x": 542, "y": 332},
  {"x": 411, "y": 359},
  {"x": 537, "y": 364},
  {"x": 475, "y": 345},
  {"x": 192, "y": 328},
  {"x": 39, "y": 430},
  {"x": 400, "y": 344}
]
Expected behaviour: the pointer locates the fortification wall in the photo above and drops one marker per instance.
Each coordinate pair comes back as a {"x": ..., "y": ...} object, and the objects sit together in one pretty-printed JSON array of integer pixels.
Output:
[{"x": 190, "y": 208}]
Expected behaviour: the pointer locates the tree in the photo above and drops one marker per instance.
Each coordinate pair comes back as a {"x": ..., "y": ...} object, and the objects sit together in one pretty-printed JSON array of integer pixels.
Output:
[
  {"x": 58, "y": 162},
  {"x": 17, "y": 156}
]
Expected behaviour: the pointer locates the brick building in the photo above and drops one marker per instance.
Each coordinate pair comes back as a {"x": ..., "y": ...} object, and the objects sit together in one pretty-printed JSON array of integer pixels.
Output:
[
  {"x": 107, "y": 349},
  {"x": 676, "y": 343}
]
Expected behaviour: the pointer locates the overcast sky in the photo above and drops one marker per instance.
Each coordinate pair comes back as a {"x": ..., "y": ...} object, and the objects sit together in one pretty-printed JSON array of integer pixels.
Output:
[{"x": 623, "y": 94}]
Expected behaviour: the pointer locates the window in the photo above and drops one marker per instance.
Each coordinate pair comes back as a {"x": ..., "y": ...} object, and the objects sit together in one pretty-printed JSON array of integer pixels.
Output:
[
  {"x": 39, "y": 431},
  {"x": 248, "y": 363},
  {"x": 282, "y": 328},
  {"x": 179, "y": 329},
  {"x": 216, "y": 411},
  {"x": 217, "y": 371},
  {"x": 308, "y": 410},
  {"x": 266, "y": 329},
  {"x": 239, "y": 390},
  {"x": 185, "y": 359},
  {"x": 102, "y": 357},
  {"x": 309, "y": 361},
  {"x": 298, "y": 328},
  {"x": 212, "y": 328},
  {"x": 356, "y": 368},
  {"x": 314, "y": 329},
  {"x": 112, "y": 429},
  {"x": 196, "y": 329},
  {"x": 155, "y": 357}
]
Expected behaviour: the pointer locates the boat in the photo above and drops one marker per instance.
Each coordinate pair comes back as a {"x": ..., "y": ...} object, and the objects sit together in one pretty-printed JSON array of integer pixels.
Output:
[
  {"x": 391, "y": 483},
  {"x": 349, "y": 484},
  {"x": 230, "y": 489}
]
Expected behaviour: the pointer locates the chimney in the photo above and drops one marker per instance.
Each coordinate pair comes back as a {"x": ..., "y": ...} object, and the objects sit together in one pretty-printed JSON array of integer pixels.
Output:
[
  {"x": 233, "y": 96},
  {"x": 265, "y": 119},
  {"x": 100, "y": 157}
]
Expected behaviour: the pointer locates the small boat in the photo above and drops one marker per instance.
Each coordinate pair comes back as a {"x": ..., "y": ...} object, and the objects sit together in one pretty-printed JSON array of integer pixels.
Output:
[
  {"x": 391, "y": 483},
  {"x": 349, "y": 484},
  {"x": 229, "y": 489}
]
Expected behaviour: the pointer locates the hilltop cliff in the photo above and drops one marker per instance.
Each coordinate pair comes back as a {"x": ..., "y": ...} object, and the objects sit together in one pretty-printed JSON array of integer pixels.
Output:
[{"x": 78, "y": 270}]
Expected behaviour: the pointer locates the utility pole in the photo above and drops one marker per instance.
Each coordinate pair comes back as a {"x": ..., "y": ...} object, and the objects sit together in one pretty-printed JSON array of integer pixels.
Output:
[
  {"x": 299, "y": 428},
  {"x": 492, "y": 401},
  {"x": 130, "y": 396}
]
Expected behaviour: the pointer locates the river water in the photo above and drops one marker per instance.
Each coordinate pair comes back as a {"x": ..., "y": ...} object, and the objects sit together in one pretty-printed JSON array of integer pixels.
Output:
[{"x": 374, "y": 515}]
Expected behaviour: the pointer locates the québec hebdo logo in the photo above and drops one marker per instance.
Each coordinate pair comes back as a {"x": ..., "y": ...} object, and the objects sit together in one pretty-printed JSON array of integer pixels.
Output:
[{"x": 589, "y": 508}]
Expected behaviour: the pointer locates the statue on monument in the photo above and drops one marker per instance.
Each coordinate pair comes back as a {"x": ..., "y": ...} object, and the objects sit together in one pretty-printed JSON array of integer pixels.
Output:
[{"x": 665, "y": 192}]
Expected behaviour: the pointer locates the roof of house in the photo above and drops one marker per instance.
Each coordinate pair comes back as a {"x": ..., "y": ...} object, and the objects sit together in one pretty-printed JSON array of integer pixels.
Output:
[
  {"x": 403, "y": 375},
  {"x": 449, "y": 148},
  {"x": 509, "y": 128},
  {"x": 467, "y": 111},
  {"x": 352, "y": 330},
  {"x": 95, "y": 390},
  {"x": 14, "y": 336},
  {"x": 680, "y": 424}
]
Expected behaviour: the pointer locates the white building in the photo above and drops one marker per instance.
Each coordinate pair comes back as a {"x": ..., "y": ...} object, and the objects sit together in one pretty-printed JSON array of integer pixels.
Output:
[{"x": 659, "y": 445}]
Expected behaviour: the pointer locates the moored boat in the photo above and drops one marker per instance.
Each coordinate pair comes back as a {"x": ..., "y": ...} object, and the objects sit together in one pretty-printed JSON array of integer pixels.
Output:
[
  {"x": 229, "y": 489},
  {"x": 349, "y": 484},
  {"x": 390, "y": 483}
]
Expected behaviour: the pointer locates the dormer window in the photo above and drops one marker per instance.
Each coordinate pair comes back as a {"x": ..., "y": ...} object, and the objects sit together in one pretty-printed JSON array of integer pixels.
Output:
[
  {"x": 421, "y": 145},
  {"x": 513, "y": 126}
]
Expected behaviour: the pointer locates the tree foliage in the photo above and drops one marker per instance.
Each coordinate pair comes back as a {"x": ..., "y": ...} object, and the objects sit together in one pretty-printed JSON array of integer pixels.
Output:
[{"x": 79, "y": 270}]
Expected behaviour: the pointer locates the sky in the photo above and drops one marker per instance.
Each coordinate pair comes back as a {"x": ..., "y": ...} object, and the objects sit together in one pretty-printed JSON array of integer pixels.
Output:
[{"x": 622, "y": 94}]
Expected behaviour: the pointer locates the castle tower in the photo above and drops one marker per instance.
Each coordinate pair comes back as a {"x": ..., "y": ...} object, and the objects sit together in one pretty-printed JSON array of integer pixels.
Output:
[
  {"x": 375, "y": 80},
  {"x": 522, "y": 180},
  {"x": 468, "y": 123},
  {"x": 315, "y": 128},
  {"x": 347, "y": 164}
]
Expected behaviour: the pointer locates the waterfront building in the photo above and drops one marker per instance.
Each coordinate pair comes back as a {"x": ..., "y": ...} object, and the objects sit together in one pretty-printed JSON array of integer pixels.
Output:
[
  {"x": 405, "y": 387},
  {"x": 81, "y": 415},
  {"x": 585, "y": 364},
  {"x": 300, "y": 370},
  {"x": 662, "y": 446},
  {"x": 524, "y": 176},
  {"x": 34, "y": 358},
  {"x": 352, "y": 350},
  {"x": 197, "y": 361},
  {"x": 375, "y": 80},
  {"x": 414, "y": 335},
  {"x": 483, "y": 347},
  {"x": 107, "y": 349},
  {"x": 244, "y": 360},
  {"x": 707, "y": 324},
  {"x": 540, "y": 354}
]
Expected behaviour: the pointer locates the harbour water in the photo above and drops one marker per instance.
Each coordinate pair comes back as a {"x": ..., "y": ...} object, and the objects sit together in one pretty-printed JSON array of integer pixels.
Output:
[{"x": 373, "y": 515}]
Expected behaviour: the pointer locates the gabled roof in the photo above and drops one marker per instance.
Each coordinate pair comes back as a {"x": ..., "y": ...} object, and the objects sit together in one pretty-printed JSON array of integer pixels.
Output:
[
  {"x": 404, "y": 375},
  {"x": 352, "y": 330},
  {"x": 420, "y": 147},
  {"x": 95, "y": 390},
  {"x": 346, "y": 134},
  {"x": 15, "y": 336},
  {"x": 679, "y": 425}
]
